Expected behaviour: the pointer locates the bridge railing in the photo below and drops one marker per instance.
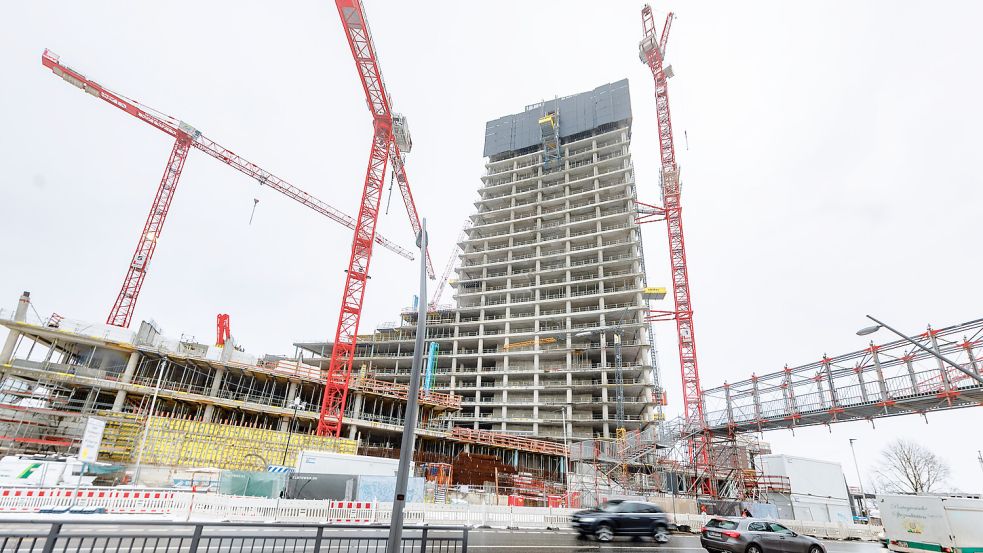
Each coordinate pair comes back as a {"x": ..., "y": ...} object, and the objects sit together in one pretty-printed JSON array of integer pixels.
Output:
[{"x": 39, "y": 536}]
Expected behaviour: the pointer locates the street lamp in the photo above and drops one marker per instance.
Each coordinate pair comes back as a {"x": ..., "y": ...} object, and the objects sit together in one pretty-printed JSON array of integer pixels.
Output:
[
  {"x": 566, "y": 446},
  {"x": 872, "y": 329},
  {"x": 395, "y": 541},
  {"x": 162, "y": 366},
  {"x": 863, "y": 494},
  {"x": 297, "y": 404}
]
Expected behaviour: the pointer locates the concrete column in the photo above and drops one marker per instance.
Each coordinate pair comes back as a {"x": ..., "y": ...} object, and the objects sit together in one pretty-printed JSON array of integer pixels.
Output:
[
  {"x": 291, "y": 392},
  {"x": 357, "y": 403},
  {"x": 131, "y": 367},
  {"x": 20, "y": 315},
  {"x": 216, "y": 384}
]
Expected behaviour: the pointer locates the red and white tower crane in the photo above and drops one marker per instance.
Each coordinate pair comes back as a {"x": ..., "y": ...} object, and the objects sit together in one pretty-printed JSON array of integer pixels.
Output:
[
  {"x": 652, "y": 49},
  {"x": 390, "y": 137},
  {"x": 186, "y": 137}
]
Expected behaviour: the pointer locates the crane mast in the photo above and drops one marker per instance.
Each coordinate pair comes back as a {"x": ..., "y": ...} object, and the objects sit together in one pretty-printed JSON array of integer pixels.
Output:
[
  {"x": 386, "y": 136},
  {"x": 125, "y": 304},
  {"x": 446, "y": 275},
  {"x": 652, "y": 51},
  {"x": 186, "y": 137}
]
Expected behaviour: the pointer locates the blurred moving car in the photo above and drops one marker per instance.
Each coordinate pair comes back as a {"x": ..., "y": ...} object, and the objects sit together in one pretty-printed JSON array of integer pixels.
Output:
[
  {"x": 623, "y": 518},
  {"x": 755, "y": 535}
]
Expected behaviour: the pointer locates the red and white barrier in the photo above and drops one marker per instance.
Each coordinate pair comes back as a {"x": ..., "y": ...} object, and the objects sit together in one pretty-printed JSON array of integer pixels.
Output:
[
  {"x": 351, "y": 512},
  {"x": 31, "y": 500}
]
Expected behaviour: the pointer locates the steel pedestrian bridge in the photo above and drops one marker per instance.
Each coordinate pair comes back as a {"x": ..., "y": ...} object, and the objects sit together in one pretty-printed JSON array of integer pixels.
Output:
[{"x": 895, "y": 378}]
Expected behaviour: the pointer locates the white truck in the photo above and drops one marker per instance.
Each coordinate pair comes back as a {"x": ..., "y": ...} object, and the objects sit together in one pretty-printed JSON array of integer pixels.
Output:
[
  {"x": 29, "y": 470},
  {"x": 920, "y": 523}
]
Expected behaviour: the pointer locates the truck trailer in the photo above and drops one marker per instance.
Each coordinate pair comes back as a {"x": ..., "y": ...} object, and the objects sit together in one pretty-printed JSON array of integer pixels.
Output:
[{"x": 920, "y": 523}]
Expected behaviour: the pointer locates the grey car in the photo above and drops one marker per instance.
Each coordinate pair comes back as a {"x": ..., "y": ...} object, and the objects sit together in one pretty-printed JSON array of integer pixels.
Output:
[
  {"x": 622, "y": 518},
  {"x": 755, "y": 535}
]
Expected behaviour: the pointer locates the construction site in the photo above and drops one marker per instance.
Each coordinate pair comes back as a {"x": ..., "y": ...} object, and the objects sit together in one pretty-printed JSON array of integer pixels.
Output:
[{"x": 540, "y": 383}]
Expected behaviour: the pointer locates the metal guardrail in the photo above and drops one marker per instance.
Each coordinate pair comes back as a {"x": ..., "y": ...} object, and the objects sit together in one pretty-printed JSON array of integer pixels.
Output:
[{"x": 174, "y": 537}]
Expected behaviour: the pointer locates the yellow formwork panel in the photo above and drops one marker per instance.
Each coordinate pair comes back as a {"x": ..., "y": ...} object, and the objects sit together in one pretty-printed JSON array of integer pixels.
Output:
[{"x": 178, "y": 442}]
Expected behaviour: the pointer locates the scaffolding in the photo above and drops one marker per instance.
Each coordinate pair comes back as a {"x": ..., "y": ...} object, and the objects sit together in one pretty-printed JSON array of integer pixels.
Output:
[
  {"x": 393, "y": 390},
  {"x": 438, "y": 479},
  {"x": 507, "y": 441}
]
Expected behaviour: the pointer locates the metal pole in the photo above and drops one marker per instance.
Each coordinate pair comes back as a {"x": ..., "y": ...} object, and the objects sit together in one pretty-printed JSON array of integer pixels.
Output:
[
  {"x": 78, "y": 484},
  {"x": 146, "y": 423},
  {"x": 619, "y": 380},
  {"x": 566, "y": 460},
  {"x": 394, "y": 544},
  {"x": 863, "y": 494},
  {"x": 959, "y": 367},
  {"x": 293, "y": 421}
]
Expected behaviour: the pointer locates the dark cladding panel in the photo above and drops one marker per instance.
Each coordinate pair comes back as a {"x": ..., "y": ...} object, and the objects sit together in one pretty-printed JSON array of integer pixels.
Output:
[{"x": 578, "y": 113}]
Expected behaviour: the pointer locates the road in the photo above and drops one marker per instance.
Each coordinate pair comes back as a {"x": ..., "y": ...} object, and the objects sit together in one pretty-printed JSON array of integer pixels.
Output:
[
  {"x": 543, "y": 541},
  {"x": 147, "y": 538}
]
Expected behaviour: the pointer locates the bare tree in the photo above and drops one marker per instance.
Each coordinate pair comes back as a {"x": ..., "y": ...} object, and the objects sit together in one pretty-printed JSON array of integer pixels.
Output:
[{"x": 908, "y": 467}]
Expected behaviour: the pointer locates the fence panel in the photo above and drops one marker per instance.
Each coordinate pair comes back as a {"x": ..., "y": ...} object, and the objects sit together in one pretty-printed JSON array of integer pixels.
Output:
[{"x": 169, "y": 537}]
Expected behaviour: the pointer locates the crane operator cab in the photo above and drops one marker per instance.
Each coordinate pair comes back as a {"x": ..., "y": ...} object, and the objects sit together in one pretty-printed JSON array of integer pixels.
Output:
[{"x": 401, "y": 133}]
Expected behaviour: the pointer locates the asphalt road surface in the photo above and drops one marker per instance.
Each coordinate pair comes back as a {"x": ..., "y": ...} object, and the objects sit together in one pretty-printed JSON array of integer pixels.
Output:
[
  {"x": 120, "y": 538},
  {"x": 521, "y": 541}
]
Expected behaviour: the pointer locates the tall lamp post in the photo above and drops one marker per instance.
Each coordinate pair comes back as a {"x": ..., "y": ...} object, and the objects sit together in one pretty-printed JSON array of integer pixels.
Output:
[
  {"x": 863, "y": 494},
  {"x": 394, "y": 543},
  {"x": 162, "y": 366},
  {"x": 872, "y": 329},
  {"x": 297, "y": 404},
  {"x": 566, "y": 443}
]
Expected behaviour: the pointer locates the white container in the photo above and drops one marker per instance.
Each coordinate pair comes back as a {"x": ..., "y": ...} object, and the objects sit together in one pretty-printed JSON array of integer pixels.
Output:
[
  {"x": 325, "y": 462},
  {"x": 819, "y": 490}
]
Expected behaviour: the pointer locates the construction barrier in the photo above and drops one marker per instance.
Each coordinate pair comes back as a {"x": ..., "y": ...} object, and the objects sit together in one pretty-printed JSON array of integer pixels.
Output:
[
  {"x": 187, "y": 506},
  {"x": 246, "y": 509},
  {"x": 116, "y": 501}
]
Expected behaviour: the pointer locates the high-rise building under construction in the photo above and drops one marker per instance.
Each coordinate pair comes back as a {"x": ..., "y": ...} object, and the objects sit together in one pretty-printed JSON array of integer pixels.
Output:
[{"x": 551, "y": 274}]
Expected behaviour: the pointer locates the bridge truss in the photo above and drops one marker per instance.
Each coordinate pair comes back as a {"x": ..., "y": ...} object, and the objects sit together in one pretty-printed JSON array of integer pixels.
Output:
[{"x": 890, "y": 379}]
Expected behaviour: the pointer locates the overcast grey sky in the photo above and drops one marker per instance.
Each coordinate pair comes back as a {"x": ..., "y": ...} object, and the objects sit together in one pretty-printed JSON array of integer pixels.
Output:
[{"x": 830, "y": 170}]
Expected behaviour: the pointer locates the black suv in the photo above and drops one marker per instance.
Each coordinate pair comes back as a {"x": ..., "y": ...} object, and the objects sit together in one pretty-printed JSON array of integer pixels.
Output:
[{"x": 623, "y": 518}]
